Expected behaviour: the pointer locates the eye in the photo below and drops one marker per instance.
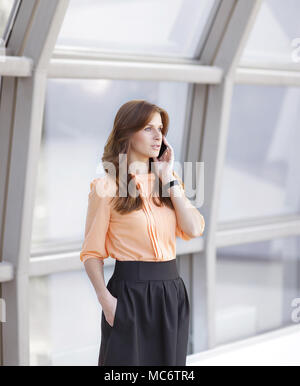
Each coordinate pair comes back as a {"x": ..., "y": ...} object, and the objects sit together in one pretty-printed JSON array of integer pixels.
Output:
[{"x": 149, "y": 127}]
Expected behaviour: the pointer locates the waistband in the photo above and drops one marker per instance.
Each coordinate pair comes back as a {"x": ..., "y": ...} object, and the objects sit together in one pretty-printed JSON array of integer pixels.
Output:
[{"x": 145, "y": 270}]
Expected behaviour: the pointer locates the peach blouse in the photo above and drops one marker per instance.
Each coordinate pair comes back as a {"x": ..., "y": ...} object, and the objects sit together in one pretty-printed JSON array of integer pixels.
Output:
[{"x": 147, "y": 234}]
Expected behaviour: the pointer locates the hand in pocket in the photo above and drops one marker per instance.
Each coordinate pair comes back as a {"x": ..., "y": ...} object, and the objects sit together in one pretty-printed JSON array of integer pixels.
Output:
[{"x": 110, "y": 310}]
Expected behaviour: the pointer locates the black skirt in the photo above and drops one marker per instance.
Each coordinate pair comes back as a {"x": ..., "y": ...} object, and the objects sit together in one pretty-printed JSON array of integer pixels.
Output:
[{"x": 151, "y": 324}]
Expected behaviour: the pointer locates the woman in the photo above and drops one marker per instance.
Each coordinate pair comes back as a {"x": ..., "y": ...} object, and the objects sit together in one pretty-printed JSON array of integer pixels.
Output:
[{"x": 145, "y": 306}]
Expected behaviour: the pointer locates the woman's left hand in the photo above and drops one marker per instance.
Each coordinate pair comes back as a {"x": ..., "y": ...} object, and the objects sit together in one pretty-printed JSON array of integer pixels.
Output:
[{"x": 164, "y": 165}]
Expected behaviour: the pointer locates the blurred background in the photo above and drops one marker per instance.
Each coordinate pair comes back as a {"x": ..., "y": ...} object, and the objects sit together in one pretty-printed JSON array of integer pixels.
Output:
[{"x": 228, "y": 73}]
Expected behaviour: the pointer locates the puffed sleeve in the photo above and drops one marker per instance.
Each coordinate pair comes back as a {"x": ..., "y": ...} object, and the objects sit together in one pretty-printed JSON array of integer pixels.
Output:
[
  {"x": 97, "y": 222},
  {"x": 179, "y": 232}
]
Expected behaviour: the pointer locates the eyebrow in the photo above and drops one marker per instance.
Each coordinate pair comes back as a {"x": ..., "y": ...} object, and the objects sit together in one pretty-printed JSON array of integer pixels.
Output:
[{"x": 150, "y": 124}]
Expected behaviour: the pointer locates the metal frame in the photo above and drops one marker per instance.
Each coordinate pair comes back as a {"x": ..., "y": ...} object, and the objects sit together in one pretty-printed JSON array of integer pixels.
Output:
[
  {"x": 16, "y": 67},
  {"x": 109, "y": 69},
  {"x": 223, "y": 48},
  {"x": 262, "y": 76},
  {"x": 6, "y": 272},
  {"x": 39, "y": 33},
  {"x": 25, "y": 72}
]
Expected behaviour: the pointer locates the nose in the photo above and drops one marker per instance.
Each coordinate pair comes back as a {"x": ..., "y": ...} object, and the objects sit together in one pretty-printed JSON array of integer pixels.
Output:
[{"x": 158, "y": 135}]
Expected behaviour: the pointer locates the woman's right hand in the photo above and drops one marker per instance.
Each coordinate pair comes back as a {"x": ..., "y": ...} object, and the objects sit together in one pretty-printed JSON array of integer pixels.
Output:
[{"x": 109, "y": 308}]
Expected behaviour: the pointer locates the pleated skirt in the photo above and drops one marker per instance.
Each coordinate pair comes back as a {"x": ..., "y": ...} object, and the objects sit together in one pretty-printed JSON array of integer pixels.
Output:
[{"x": 151, "y": 324}]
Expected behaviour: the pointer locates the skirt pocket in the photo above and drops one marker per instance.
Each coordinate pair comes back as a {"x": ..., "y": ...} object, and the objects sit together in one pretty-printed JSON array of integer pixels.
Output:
[
  {"x": 111, "y": 286},
  {"x": 116, "y": 318}
]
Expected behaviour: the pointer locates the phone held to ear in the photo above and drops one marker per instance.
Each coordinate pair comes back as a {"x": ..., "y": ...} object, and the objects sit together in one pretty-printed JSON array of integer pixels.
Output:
[{"x": 162, "y": 149}]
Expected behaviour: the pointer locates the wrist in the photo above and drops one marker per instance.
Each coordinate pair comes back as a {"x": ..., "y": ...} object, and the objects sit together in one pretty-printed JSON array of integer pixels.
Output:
[
  {"x": 103, "y": 296},
  {"x": 165, "y": 178},
  {"x": 168, "y": 186}
]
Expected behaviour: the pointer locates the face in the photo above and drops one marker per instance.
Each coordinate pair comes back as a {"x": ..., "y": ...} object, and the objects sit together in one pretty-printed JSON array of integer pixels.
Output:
[{"x": 141, "y": 145}]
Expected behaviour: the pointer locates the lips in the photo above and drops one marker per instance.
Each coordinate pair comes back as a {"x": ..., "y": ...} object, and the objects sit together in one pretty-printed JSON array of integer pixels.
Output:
[{"x": 156, "y": 146}]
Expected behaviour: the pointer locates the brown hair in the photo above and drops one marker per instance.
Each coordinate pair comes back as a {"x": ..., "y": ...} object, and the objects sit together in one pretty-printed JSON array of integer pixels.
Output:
[{"x": 130, "y": 118}]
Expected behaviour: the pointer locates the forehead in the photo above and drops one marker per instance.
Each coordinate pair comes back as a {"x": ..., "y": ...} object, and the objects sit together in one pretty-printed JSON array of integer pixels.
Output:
[{"x": 156, "y": 120}]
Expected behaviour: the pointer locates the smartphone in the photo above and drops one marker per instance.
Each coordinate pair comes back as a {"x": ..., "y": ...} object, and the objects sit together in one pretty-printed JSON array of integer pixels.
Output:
[{"x": 162, "y": 149}]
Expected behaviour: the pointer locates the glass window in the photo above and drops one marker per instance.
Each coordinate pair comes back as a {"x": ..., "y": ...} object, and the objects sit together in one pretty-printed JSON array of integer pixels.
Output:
[
  {"x": 78, "y": 118},
  {"x": 145, "y": 27},
  {"x": 256, "y": 286},
  {"x": 65, "y": 319},
  {"x": 261, "y": 176},
  {"x": 6, "y": 7},
  {"x": 275, "y": 37}
]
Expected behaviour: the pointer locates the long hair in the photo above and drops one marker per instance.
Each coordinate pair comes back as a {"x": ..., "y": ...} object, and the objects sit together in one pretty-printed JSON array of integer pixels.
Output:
[{"x": 130, "y": 118}]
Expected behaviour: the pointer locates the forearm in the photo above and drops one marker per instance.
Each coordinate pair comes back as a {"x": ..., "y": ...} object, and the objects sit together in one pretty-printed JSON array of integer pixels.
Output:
[
  {"x": 94, "y": 270},
  {"x": 188, "y": 217}
]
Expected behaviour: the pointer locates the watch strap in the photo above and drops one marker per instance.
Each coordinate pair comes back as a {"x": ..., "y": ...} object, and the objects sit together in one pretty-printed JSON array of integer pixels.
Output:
[{"x": 169, "y": 185}]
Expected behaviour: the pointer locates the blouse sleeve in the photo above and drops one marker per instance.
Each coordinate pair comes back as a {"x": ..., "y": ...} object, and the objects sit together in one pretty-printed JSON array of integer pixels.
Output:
[
  {"x": 97, "y": 222},
  {"x": 179, "y": 232}
]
